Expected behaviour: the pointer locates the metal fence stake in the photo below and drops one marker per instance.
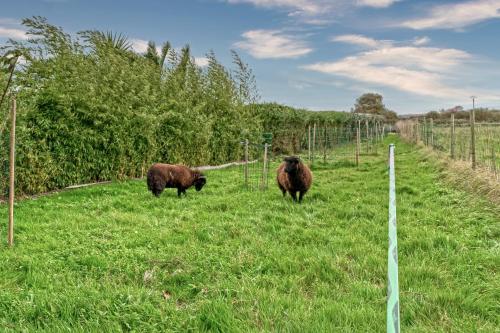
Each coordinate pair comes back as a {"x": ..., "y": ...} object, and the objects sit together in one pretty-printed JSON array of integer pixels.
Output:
[{"x": 393, "y": 322}]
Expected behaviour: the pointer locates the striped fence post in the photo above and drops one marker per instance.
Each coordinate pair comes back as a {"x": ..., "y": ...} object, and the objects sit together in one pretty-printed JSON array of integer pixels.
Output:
[{"x": 393, "y": 322}]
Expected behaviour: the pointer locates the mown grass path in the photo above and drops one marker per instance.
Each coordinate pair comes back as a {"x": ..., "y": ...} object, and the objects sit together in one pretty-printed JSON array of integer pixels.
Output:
[{"x": 231, "y": 260}]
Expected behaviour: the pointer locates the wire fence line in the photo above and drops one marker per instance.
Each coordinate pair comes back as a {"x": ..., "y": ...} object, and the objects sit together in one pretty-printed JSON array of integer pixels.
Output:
[
  {"x": 316, "y": 145},
  {"x": 476, "y": 143}
]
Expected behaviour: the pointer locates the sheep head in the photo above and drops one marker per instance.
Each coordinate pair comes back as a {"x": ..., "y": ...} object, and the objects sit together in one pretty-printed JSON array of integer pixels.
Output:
[
  {"x": 199, "y": 182},
  {"x": 292, "y": 164}
]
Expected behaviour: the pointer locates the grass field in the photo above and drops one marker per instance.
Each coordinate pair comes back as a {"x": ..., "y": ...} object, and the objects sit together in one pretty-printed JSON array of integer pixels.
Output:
[{"x": 113, "y": 257}]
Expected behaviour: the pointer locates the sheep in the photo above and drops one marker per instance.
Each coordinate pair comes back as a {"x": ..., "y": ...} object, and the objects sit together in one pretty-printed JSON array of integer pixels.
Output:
[
  {"x": 294, "y": 176},
  {"x": 161, "y": 176}
]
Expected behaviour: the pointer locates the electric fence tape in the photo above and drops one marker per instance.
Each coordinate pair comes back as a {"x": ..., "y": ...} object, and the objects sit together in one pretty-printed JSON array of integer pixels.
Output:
[{"x": 393, "y": 322}]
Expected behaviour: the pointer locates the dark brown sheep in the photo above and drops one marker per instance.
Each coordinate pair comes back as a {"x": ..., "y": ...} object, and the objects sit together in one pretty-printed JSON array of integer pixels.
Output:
[
  {"x": 294, "y": 176},
  {"x": 161, "y": 176}
]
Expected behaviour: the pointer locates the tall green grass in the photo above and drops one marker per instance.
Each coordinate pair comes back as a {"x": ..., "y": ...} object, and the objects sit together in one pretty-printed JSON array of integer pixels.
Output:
[{"x": 114, "y": 258}]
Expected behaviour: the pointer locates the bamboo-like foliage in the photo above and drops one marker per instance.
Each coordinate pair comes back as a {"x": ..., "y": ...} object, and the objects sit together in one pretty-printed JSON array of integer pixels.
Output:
[{"x": 92, "y": 109}]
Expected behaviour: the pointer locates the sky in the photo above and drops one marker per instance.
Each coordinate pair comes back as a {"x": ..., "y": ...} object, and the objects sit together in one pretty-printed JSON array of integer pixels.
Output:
[{"x": 316, "y": 54}]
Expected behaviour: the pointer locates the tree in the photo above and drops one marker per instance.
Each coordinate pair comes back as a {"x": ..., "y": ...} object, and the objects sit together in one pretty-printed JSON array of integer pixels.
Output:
[
  {"x": 390, "y": 116},
  {"x": 370, "y": 103}
]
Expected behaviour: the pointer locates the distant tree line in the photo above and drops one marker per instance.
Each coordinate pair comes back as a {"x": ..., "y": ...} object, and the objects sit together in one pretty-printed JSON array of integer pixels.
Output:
[{"x": 480, "y": 114}]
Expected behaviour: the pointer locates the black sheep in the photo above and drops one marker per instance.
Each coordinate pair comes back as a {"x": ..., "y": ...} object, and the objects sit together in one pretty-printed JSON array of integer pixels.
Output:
[
  {"x": 161, "y": 176},
  {"x": 294, "y": 176}
]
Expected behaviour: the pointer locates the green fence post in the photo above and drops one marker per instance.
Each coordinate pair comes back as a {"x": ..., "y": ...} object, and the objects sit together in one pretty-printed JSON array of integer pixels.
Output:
[{"x": 393, "y": 322}]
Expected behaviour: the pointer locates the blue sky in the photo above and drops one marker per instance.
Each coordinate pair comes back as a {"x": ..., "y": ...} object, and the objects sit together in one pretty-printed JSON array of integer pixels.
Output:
[{"x": 318, "y": 54}]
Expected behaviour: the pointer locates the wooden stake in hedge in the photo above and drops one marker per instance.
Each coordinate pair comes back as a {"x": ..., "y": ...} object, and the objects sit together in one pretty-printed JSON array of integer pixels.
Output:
[
  {"x": 10, "y": 236},
  {"x": 246, "y": 163}
]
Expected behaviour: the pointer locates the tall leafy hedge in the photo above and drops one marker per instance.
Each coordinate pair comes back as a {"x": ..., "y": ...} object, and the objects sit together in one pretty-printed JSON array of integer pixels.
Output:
[{"x": 92, "y": 109}]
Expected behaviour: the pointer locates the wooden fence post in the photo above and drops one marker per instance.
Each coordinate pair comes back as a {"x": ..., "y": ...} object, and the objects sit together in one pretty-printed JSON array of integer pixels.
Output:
[
  {"x": 414, "y": 126},
  {"x": 418, "y": 130},
  {"x": 491, "y": 143},
  {"x": 493, "y": 160},
  {"x": 309, "y": 143},
  {"x": 452, "y": 136},
  {"x": 473, "y": 137},
  {"x": 367, "y": 136},
  {"x": 358, "y": 141},
  {"x": 264, "y": 171},
  {"x": 431, "y": 127},
  {"x": 426, "y": 142},
  {"x": 10, "y": 235},
  {"x": 324, "y": 144},
  {"x": 246, "y": 162},
  {"x": 314, "y": 143}
]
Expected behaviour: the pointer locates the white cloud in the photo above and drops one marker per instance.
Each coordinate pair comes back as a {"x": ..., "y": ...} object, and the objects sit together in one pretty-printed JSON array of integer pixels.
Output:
[
  {"x": 316, "y": 12},
  {"x": 425, "y": 71},
  {"x": 9, "y": 21},
  {"x": 314, "y": 6},
  {"x": 299, "y": 85},
  {"x": 456, "y": 15},
  {"x": 376, "y": 3},
  {"x": 418, "y": 41},
  {"x": 272, "y": 44},
  {"x": 361, "y": 41},
  {"x": 295, "y": 6},
  {"x": 12, "y": 33},
  {"x": 8, "y": 29},
  {"x": 139, "y": 45},
  {"x": 413, "y": 81},
  {"x": 201, "y": 61}
]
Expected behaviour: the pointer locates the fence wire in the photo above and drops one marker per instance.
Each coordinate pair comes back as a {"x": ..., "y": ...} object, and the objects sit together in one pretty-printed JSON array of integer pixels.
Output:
[
  {"x": 455, "y": 139},
  {"x": 316, "y": 145}
]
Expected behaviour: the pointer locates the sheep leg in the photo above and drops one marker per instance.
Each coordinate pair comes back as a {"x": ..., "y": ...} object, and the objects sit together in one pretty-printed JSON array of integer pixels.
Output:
[
  {"x": 282, "y": 189},
  {"x": 294, "y": 195},
  {"x": 179, "y": 192},
  {"x": 301, "y": 195},
  {"x": 157, "y": 190}
]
